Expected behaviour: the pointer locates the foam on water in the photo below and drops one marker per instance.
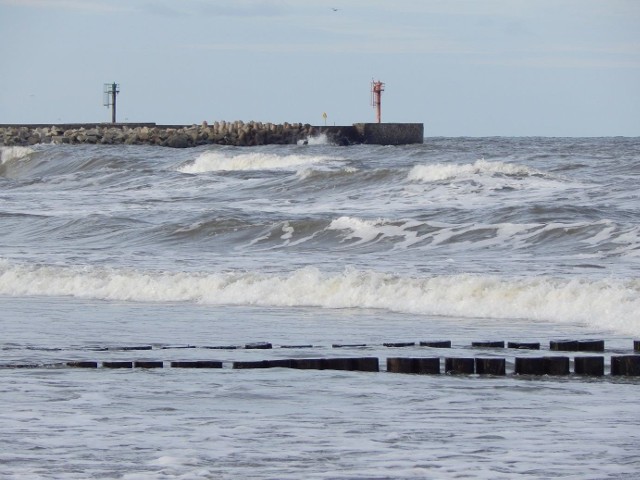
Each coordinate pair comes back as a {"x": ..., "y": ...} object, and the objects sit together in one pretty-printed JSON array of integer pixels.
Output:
[
  {"x": 8, "y": 154},
  {"x": 439, "y": 172},
  {"x": 365, "y": 230},
  {"x": 220, "y": 162},
  {"x": 315, "y": 244},
  {"x": 321, "y": 139},
  {"x": 599, "y": 239},
  {"x": 371, "y": 230},
  {"x": 609, "y": 304},
  {"x": 332, "y": 172}
]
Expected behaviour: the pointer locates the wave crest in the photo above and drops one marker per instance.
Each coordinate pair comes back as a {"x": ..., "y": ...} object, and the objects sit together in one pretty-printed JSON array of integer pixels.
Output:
[
  {"x": 8, "y": 154},
  {"x": 367, "y": 231},
  {"x": 219, "y": 162},
  {"x": 608, "y": 304},
  {"x": 440, "y": 171},
  {"x": 321, "y": 139}
]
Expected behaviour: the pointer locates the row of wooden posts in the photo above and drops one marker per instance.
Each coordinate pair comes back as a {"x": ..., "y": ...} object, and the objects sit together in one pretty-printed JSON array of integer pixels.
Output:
[
  {"x": 627, "y": 365},
  {"x": 554, "y": 345},
  {"x": 621, "y": 365}
]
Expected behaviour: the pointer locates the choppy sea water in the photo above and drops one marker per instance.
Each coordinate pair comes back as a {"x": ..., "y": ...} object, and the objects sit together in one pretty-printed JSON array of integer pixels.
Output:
[{"x": 524, "y": 239}]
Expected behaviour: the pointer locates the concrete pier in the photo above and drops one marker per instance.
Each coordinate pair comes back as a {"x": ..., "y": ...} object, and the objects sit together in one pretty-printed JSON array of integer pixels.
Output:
[
  {"x": 236, "y": 133},
  {"x": 390, "y": 133}
]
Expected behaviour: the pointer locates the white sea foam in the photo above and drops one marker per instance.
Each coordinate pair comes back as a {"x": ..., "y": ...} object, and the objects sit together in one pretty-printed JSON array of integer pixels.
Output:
[
  {"x": 407, "y": 233},
  {"x": 365, "y": 230},
  {"x": 371, "y": 230},
  {"x": 440, "y": 171},
  {"x": 220, "y": 162},
  {"x": 309, "y": 172},
  {"x": 287, "y": 231},
  {"x": 8, "y": 154},
  {"x": 315, "y": 140},
  {"x": 608, "y": 304}
]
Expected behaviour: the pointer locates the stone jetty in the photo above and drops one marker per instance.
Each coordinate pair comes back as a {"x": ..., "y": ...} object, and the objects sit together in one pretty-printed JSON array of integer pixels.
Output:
[
  {"x": 236, "y": 133},
  {"x": 177, "y": 136}
]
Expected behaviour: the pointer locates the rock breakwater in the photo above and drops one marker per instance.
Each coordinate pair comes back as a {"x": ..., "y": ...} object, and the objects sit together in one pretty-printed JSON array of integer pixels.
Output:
[
  {"x": 177, "y": 136},
  {"x": 237, "y": 134}
]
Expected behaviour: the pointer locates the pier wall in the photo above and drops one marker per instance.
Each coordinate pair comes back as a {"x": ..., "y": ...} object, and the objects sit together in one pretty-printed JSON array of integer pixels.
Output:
[
  {"x": 220, "y": 133},
  {"x": 390, "y": 133}
]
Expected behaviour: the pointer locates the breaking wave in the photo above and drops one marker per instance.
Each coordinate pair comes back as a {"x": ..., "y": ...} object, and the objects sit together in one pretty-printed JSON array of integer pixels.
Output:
[
  {"x": 440, "y": 171},
  {"x": 219, "y": 162},
  {"x": 597, "y": 239},
  {"x": 321, "y": 139},
  {"x": 8, "y": 154},
  {"x": 606, "y": 304}
]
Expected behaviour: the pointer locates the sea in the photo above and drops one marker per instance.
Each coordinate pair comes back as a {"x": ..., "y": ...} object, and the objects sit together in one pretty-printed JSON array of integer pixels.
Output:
[{"x": 105, "y": 250}]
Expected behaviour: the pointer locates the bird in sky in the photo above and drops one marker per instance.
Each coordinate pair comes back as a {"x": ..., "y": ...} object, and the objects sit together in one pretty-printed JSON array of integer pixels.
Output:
[{"x": 334, "y": 9}]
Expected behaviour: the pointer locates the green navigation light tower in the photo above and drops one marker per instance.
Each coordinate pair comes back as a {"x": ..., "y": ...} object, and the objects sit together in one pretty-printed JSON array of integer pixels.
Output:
[{"x": 109, "y": 99}]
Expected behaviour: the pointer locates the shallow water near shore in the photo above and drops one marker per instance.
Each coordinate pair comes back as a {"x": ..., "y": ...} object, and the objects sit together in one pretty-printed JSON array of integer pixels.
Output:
[{"x": 457, "y": 239}]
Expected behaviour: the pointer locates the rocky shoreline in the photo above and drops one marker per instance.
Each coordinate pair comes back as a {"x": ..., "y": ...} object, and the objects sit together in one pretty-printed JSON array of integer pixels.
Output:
[{"x": 177, "y": 136}]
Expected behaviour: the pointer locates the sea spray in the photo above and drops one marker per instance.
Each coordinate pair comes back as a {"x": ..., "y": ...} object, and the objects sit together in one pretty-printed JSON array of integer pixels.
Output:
[{"x": 321, "y": 139}]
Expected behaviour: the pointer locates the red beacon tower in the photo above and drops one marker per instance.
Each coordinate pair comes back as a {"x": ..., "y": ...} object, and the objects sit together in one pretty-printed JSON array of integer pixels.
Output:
[{"x": 376, "y": 98}]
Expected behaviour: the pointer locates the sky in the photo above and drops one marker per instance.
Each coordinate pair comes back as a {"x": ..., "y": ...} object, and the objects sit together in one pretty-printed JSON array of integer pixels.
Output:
[{"x": 462, "y": 67}]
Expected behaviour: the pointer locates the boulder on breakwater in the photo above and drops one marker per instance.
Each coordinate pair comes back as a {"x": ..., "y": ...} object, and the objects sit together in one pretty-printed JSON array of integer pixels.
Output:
[{"x": 177, "y": 136}]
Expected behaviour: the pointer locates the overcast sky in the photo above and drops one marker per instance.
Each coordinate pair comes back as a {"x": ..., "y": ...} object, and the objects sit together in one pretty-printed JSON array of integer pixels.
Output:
[{"x": 462, "y": 67}]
